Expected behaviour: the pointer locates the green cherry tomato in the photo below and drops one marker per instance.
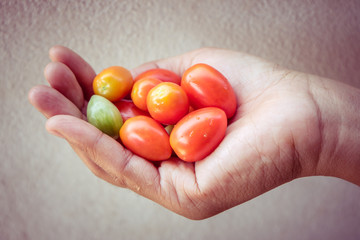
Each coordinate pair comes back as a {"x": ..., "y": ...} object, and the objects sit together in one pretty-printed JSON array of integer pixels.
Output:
[{"x": 104, "y": 115}]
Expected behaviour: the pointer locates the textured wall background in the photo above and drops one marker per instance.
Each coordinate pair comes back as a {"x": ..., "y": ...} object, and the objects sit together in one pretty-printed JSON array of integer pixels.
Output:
[{"x": 45, "y": 190}]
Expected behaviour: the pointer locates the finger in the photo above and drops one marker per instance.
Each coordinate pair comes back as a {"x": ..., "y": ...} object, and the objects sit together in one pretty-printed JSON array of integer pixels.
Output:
[
  {"x": 63, "y": 79},
  {"x": 50, "y": 102},
  {"x": 177, "y": 64},
  {"x": 216, "y": 57},
  {"x": 127, "y": 169},
  {"x": 81, "y": 69}
]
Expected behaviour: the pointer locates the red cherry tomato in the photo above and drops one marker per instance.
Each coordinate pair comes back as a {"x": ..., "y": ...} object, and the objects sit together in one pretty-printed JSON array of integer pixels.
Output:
[
  {"x": 113, "y": 83},
  {"x": 161, "y": 74},
  {"x": 207, "y": 87},
  {"x": 140, "y": 91},
  {"x": 198, "y": 134},
  {"x": 128, "y": 109},
  {"x": 167, "y": 103},
  {"x": 146, "y": 138}
]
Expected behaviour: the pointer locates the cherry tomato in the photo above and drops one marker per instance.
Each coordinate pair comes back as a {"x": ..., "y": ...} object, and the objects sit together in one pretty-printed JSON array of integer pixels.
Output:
[
  {"x": 140, "y": 91},
  {"x": 198, "y": 134},
  {"x": 104, "y": 115},
  {"x": 161, "y": 74},
  {"x": 167, "y": 103},
  {"x": 113, "y": 83},
  {"x": 128, "y": 109},
  {"x": 207, "y": 87},
  {"x": 146, "y": 138}
]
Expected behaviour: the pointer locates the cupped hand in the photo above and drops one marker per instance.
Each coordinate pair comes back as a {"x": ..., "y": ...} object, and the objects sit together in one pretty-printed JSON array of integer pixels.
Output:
[{"x": 273, "y": 138}]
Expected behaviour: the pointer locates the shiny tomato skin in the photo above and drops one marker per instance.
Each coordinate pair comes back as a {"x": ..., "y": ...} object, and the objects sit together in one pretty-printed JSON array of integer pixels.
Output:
[
  {"x": 146, "y": 138},
  {"x": 104, "y": 115},
  {"x": 207, "y": 87},
  {"x": 113, "y": 83},
  {"x": 128, "y": 109},
  {"x": 198, "y": 134},
  {"x": 161, "y": 74},
  {"x": 167, "y": 103},
  {"x": 140, "y": 91}
]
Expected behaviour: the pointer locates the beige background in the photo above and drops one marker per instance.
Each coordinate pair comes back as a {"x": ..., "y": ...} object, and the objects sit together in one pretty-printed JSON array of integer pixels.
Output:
[{"x": 45, "y": 190}]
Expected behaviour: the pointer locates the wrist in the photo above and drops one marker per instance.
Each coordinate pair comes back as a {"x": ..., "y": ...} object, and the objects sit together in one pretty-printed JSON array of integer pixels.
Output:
[{"x": 339, "y": 124}]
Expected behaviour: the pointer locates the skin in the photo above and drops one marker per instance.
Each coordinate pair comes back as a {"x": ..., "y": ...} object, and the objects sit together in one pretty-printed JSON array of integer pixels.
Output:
[{"x": 288, "y": 125}]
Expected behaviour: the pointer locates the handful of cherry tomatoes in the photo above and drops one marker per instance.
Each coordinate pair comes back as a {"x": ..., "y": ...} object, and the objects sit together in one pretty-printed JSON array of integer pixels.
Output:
[{"x": 160, "y": 113}]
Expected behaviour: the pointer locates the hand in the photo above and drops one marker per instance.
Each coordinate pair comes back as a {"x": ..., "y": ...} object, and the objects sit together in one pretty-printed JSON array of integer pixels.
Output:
[{"x": 280, "y": 132}]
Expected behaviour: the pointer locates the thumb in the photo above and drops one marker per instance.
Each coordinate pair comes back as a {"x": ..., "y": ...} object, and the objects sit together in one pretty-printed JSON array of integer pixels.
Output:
[
  {"x": 90, "y": 142},
  {"x": 98, "y": 149}
]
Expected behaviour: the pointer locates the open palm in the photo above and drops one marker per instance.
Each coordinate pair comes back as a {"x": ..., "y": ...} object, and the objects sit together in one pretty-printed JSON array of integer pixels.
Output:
[{"x": 273, "y": 138}]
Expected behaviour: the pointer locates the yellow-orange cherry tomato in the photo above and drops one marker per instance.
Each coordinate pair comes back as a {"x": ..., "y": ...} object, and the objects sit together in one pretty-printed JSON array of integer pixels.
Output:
[
  {"x": 167, "y": 103},
  {"x": 140, "y": 91},
  {"x": 113, "y": 83}
]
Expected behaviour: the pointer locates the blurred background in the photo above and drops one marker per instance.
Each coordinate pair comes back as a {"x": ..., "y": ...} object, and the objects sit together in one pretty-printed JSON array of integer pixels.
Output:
[{"x": 45, "y": 190}]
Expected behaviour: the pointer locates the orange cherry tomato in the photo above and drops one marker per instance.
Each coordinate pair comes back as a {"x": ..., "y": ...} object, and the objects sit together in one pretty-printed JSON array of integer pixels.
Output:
[
  {"x": 147, "y": 138},
  {"x": 207, "y": 87},
  {"x": 140, "y": 91},
  {"x": 161, "y": 74},
  {"x": 167, "y": 103},
  {"x": 128, "y": 109},
  {"x": 113, "y": 83},
  {"x": 198, "y": 134}
]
